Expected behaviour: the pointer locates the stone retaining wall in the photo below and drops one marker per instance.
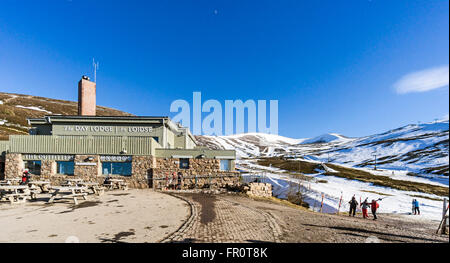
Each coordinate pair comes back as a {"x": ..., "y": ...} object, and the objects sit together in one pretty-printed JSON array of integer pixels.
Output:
[
  {"x": 201, "y": 173},
  {"x": 258, "y": 190}
]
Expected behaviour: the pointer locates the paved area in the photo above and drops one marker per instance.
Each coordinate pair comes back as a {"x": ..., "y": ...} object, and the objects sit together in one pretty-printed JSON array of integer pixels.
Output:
[
  {"x": 116, "y": 216},
  {"x": 217, "y": 219}
]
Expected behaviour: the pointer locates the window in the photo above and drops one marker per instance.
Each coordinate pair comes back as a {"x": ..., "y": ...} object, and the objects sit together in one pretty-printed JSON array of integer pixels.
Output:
[
  {"x": 117, "y": 168},
  {"x": 156, "y": 138},
  {"x": 34, "y": 167},
  {"x": 66, "y": 168},
  {"x": 225, "y": 165},
  {"x": 184, "y": 163}
]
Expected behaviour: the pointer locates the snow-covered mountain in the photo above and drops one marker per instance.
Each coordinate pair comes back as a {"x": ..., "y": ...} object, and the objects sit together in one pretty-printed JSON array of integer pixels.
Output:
[
  {"x": 419, "y": 148},
  {"x": 326, "y": 138}
]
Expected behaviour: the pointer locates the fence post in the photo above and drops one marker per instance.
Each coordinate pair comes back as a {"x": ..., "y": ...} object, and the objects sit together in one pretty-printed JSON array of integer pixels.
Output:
[
  {"x": 321, "y": 204},
  {"x": 340, "y": 202},
  {"x": 195, "y": 181}
]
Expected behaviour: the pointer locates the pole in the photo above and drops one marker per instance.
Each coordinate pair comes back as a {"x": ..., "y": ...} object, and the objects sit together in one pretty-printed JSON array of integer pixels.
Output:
[
  {"x": 321, "y": 204},
  {"x": 340, "y": 202},
  {"x": 314, "y": 207},
  {"x": 375, "y": 161},
  {"x": 442, "y": 224}
]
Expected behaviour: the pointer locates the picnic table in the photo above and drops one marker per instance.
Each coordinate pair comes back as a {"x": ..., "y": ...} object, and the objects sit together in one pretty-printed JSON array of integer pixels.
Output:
[
  {"x": 71, "y": 192},
  {"x": 14, "y": 193},
  {"x": 5, "y": 182},
  {"x": 113, "y": 183},
  {"x": 73, "y": 182},
  {"x": 10, "y": 181},
  {"x": 95, "y": 187},
  {"x": 43, "y": 185}
]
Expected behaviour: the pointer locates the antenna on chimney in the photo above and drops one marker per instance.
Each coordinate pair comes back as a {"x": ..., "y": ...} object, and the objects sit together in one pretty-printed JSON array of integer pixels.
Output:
[{"x": 95, "y": 65}]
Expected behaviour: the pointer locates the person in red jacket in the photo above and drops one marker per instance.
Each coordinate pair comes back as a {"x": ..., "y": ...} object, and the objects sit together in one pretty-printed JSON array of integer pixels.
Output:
[
  {"x": 25, "y": 177},
  {"x": 374, "y": 206}
]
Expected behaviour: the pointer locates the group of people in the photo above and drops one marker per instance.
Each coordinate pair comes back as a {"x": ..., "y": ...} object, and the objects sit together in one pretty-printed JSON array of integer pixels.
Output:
[
  {"x": 175, "y": 181},
  {"x": 364, "y": 207},
  {"x": 374, "y": 205}
]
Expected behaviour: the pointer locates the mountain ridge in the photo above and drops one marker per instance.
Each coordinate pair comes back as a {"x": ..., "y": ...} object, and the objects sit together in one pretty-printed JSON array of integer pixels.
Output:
[
  {"x": 16, "y": 108},
  {"x": 418, "y": 148}
]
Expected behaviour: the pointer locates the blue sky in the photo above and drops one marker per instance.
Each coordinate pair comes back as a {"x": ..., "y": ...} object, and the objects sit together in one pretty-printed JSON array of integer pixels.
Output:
[{"x": 334, "y": 66}]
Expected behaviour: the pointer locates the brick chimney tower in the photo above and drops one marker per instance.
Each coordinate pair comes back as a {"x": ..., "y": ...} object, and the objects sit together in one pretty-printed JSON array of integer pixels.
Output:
[{"x": 86, "y": 97}]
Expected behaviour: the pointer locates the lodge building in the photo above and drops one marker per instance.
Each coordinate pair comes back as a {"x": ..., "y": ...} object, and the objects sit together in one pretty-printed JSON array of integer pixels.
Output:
[{"x": 146, "y": 151}]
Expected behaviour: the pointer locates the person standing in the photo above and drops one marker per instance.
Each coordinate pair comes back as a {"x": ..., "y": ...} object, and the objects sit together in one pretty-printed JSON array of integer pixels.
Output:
[
  {"x": 353, "y": 204},
  {"x": 364, "y": 206},
  {"x": 374, "y": 206},
  {"x": 416, "y": 207}
]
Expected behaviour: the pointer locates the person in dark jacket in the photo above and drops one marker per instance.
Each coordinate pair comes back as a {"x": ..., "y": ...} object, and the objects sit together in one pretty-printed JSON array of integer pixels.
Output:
[{"x": 353, "y": 204}]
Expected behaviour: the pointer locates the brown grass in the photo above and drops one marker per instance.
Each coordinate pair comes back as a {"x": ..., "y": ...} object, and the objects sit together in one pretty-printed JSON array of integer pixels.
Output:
[
  {"x": 291, "y": 165},
  {"x": 281, "y": 202},
  {"x": 427, "y": 197},
  {"x": 18, "y": 116},
  {"x": 375, "y": 192},
  {"x": 355, "y": 174}
]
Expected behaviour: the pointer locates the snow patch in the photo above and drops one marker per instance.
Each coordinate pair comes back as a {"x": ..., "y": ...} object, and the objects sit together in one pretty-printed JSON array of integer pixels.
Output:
[
  {"x": 33, "y": 108},
  {"x": 326, "y": 138}
]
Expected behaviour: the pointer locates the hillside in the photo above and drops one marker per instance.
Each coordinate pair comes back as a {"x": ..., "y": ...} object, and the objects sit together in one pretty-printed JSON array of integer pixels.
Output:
[
  {"x": 16, "y": 108},
  {"x": 422, "y": 148}
]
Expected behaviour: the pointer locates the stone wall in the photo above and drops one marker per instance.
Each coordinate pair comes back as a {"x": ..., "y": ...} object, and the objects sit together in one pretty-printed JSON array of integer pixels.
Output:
[
  {"x": 84, "y": 170},
  {"x": 258, "y": 190},
  {"x": 13, "y": 165},
  {"x": 201, "y": 173},
  {"x": 141, "y": 168},
  {"x": 48, "y": 168}
]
